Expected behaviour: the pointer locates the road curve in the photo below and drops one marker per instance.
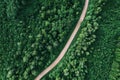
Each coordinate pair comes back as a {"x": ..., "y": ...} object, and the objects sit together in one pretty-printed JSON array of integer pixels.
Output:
[{"x": 57, "y": 60}]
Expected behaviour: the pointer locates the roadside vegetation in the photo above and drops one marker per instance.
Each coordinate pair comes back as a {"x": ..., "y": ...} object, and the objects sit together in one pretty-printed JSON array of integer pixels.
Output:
[
  {"x": 32, "y": 34},
  {"x": 74, "y": 64}
]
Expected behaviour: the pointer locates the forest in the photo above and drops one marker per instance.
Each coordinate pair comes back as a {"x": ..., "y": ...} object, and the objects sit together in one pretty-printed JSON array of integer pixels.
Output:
[{"x": 33, "y": 33}]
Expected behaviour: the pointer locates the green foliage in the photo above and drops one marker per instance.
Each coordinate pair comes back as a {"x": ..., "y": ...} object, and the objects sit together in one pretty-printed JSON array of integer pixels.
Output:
[
  {"x": 33, "y": 32},
  {"x": 115, "y": 68},
  {"x": 74, "y": 64},
  {"x": 32, "y": 35},
  {"x": 11, "y": 8},
  {"x": 100, "y": 61}
]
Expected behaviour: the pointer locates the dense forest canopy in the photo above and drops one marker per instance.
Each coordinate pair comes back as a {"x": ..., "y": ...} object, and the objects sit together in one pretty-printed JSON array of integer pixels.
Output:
[{"x": 33, "y": 32}]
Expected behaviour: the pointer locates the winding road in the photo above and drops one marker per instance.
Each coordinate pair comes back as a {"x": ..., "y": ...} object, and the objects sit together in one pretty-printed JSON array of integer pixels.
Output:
[{"x": 62, "y": 53}]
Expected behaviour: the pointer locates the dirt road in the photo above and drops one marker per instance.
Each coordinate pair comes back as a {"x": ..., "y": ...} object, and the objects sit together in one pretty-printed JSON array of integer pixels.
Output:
[{"x": 57, "y": 60}]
